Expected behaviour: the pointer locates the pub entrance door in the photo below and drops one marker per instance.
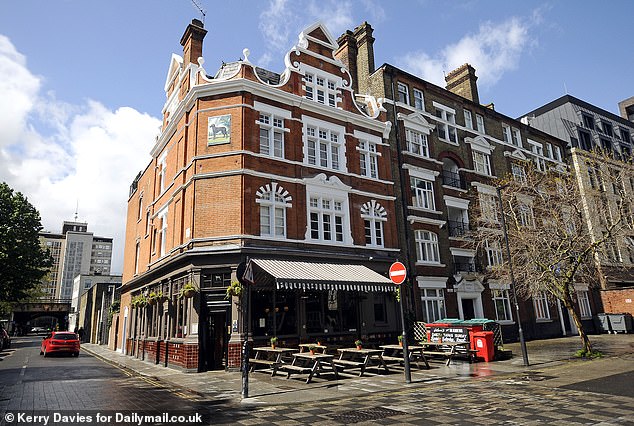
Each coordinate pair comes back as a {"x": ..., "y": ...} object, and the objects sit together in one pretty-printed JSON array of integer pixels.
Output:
[{"x": 216, "y": 338}]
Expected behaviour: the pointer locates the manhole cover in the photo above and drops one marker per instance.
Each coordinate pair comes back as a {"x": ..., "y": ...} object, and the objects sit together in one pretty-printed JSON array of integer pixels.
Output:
[{"x": 357, "y": 416}]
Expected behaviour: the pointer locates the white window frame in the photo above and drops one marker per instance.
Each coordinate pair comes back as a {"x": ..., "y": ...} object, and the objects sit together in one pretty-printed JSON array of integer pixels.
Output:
[
  {"x": 162, "y": 165},
  {"x": 335, "y": 193},
  {"x": 468, "y": 119},
  {"x": 506, "y": 131},
  {"x": 319, "y": 134},
  {"x": 583, "y": 300},
  {"x": 423, "y": 195},
  {"x": 162, "y": 217},
  {"x": 417, "y": 143},
  {"x": 480, "y": 123},
  {"x": 481, "y": 162},
  {"x": 500, "y": 295},
  {"x": 402, "y": 90},
  {"x": 518, "y": 172},
  {"x": 433, "y": 301},
  {"x": 427, "y": 250},
  {"x": 321, "y": 87},
  {"x": 368, "y": 154},
  {"x": 446, "y": 124},
  {"x": 516, "y": 137},
  {"x": 489, "y": 207},
  {"x": 373, "y": 215},
  {"x": 419, "y": 100},
  {"x": 542, "y": 310},
  {"x": 272, "y": 121},
  {"x": 525, "y": 214},
  {"x": 273, "y": 201},
  {"x": 494, "y": 253},
  {"x": 538, "y": 151}
]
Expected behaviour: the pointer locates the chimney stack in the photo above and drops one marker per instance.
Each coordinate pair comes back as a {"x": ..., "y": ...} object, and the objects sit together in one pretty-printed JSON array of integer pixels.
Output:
[
  {"x": 347, "y": 53},
  {"x": 462, "y": 82},
  {"x": 356, "y": 50},
  {"x": 192, "y": 42}
]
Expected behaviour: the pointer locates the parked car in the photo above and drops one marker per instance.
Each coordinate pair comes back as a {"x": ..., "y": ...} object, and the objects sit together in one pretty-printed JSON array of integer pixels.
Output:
[
  {"x": 5, "y": 340},
  {"x": 60, "y": 342}
]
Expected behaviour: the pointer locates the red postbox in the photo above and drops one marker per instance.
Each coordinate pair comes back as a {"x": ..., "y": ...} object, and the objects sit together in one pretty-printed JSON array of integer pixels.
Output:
[{"x": 483, "y": 343}]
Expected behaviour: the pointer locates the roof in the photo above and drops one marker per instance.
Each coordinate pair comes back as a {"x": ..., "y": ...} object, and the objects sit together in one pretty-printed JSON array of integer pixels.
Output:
[
  {"x": 576, "y": 101},
  {"x": 287, "y": 274}
]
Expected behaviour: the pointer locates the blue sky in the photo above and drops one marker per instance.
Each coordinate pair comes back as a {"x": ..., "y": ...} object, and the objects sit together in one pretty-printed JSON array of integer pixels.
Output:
[{"x": 81, "y": 82}]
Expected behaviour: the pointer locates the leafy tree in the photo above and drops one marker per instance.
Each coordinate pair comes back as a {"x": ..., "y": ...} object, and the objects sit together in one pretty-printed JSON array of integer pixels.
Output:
[
  {"x": 559, "y": 229},
  {"x": 23, "y": 261}
]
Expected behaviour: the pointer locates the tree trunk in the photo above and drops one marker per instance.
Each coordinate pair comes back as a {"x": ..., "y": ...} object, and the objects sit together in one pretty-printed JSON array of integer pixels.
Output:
[{"x": 585, "y": 341}]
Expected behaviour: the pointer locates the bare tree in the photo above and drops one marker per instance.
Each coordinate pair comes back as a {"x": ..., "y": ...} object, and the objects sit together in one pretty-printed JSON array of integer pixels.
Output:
[{"x": 562, "y": 225}]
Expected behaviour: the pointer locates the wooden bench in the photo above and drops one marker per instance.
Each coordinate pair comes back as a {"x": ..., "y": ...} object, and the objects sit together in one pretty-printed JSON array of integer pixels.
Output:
[
  {"x": 392, "y": 358},
  {"x": 349, "y": 363},
  {"x": 295, "y": 368},
  {"x": 273, "y": 365}
]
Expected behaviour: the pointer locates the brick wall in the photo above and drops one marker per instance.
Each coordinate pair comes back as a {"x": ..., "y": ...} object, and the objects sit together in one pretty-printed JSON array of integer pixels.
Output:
[{"x": 618, "y": 301}]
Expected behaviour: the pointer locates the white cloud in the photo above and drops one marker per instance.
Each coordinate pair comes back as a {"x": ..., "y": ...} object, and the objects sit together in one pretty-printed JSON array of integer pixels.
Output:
[
  {"x": 492, "y": 51},
  {"x": 88, "y": 153},
  {"x": 275, "y": 24},
  {"x": 18, "y": 87}
]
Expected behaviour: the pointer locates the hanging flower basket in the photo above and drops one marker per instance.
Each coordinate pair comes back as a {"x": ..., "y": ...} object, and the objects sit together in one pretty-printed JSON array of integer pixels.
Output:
[
  {"x": 235, "y": 289},
  {"x": 188, "y": 290}
]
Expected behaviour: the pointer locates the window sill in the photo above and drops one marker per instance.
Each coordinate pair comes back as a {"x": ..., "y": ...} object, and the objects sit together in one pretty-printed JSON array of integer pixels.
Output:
[
  {"x": 506, "y": 322},
  {"x": 423, "y": 210},
  {"x": 543, "y": 320},
  {"x": 442, "y": 265}
]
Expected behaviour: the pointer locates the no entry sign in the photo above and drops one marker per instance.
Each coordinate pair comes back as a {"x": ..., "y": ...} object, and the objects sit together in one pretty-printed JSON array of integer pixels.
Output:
[{"x": 398, "y": 273}]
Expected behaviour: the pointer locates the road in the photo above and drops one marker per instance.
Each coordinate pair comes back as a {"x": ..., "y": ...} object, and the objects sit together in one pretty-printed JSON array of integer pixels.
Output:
[
  {"x": 39, "y": 386},
  {"x": 34, "y": 385}
]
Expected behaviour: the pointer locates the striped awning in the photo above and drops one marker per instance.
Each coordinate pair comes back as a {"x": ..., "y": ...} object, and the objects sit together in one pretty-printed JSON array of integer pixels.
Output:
[{"x": 287, "y": 274}]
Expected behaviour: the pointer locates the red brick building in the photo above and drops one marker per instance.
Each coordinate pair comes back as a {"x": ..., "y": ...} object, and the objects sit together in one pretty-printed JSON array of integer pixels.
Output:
[{"x": 291, "y": 171}]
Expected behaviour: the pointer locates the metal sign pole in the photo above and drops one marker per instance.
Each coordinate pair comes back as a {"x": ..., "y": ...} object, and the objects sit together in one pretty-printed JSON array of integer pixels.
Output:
[{"x": 408, "y": 373}]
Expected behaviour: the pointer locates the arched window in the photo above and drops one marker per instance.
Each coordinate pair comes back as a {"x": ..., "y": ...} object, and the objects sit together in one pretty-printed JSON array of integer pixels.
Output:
[
  {"x": 273, "y": 201},
  {"x": 373, "y": 215}
]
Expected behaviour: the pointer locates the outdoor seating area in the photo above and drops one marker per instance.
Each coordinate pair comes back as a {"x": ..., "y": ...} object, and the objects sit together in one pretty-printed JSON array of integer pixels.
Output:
[{"x": 312, "y": 360}]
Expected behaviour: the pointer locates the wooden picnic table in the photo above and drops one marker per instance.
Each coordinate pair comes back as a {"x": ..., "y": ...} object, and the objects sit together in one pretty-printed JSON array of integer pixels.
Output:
[
  {"x": 270, "y": 357},
  {"x": 304, "y": 347},
  {"x": 394, "y": 353},
  {"x": 359, "y": 358},
  {"x": 447, "y": 349},
  {"x": 311, "y": 364}
]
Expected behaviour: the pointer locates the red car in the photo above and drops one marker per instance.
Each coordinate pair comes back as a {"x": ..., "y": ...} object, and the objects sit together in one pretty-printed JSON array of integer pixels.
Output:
[{"x": 60, "y": 342}]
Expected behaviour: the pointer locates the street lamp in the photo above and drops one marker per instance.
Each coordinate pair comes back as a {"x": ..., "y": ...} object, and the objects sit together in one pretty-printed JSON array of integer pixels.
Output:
[{"x": 508, "y": 254}]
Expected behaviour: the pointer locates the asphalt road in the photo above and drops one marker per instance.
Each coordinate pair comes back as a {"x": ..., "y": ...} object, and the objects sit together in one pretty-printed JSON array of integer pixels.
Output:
[{"x": 65, "y": 386}]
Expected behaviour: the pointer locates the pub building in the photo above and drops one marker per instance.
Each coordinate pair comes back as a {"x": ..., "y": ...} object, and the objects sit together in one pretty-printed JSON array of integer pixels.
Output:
[{"x": 288, "y": 173}]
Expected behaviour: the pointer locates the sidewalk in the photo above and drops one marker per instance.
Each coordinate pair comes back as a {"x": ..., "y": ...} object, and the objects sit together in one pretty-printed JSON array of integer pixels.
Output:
[{"x": 553, "y": 356}]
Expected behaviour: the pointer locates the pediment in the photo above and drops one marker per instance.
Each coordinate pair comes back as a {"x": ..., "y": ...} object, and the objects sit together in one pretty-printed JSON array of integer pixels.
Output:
[
  {"x": 416, "y": 121},
  {"x": 322, "y": 180},
  {"x": 479, "y": 143},
  {"x": 517, "y": 154},
  {"x": 176, "y": 64},
  {"x": 319, "y": 33}
]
